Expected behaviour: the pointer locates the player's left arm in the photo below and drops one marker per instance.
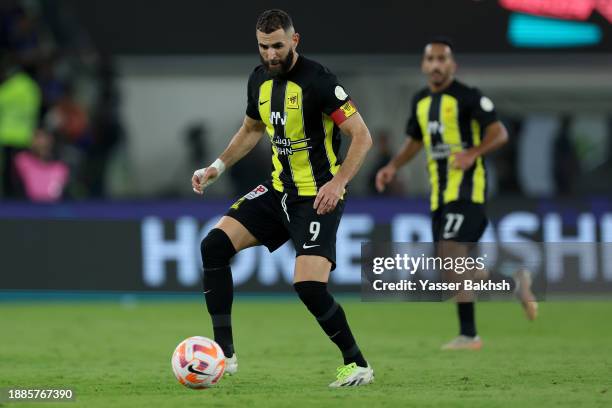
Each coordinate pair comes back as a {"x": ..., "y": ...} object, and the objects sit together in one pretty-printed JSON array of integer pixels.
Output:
[
  {"x": 496, "y": 136},
  {"x": 495, "y": 133},
  {"x": 355, "y": 128}
]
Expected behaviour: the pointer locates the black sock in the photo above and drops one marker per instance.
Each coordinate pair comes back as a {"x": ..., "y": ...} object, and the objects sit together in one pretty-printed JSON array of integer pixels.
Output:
[
  {"x": 467, "y": 322},
  {"x": 331, "y": 318},
  {"x": 217, "y": 250},
  {"x": 219, "y": 294}
]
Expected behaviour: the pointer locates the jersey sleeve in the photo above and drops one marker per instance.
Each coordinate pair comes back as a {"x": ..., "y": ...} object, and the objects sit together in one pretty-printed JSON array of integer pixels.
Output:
[
  {"x": 412, "y": 126},
  {"x": 335, "y": 102},
  {"x": 482, "y": 109},
  {"x": 252, "y": 109}
]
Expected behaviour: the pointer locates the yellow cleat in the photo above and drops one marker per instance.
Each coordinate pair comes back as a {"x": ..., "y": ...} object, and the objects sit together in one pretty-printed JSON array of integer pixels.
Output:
[{"x": 351, "y": 375}]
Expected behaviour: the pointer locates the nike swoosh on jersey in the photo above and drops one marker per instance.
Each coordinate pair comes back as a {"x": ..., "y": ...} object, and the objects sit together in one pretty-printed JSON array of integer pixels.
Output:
[{"x": 261, "y": 103}]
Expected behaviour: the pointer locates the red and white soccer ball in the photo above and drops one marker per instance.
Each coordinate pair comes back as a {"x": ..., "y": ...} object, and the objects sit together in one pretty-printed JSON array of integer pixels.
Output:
[{"x": 198, "y": 362}]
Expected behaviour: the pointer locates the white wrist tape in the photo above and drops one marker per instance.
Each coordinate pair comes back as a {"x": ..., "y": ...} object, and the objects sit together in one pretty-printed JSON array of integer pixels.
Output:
[{"x": 217, "y": 164}]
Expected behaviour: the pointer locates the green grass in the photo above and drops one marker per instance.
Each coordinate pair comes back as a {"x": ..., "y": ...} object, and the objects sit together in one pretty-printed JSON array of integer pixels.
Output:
[{"x": 114, "y": 355}]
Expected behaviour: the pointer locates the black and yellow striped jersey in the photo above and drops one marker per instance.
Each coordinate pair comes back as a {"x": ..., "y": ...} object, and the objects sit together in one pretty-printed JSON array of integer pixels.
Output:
[
  {"x": 447, "y": 122},
  {"x": 301, "y": 110}
]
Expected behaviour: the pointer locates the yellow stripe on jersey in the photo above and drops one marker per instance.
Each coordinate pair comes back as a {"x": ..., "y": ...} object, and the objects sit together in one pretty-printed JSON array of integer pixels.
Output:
[
  {"x": 451, "y": 135},
  {"x": 479, "y": 179},
  {"x": 265, "y": 106},
  {"x": 265, "y": 94},
  {"x": 422, "y": 112},
  {"x": 278, "y": 168},
  {"x": 299, "y": 160},
  {"x": 328, "y": 128}
]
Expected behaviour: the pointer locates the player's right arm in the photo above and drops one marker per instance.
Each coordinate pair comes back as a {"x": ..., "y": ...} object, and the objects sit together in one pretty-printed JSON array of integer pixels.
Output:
[
  {"x": 409, "y": 149},
  {"x": 243, "y": 142}
]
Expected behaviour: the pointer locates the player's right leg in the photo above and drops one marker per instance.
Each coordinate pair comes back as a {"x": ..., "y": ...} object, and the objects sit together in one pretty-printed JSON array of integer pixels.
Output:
[
  {"x": 222, "y": 242},
  {"x": 468, "y": 338},
  {"x": 252, "y": 220},
  {"x": 456, "y": 227}
]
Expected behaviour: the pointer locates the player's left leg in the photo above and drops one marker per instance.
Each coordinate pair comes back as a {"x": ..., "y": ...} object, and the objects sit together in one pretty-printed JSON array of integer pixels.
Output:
[
  {"x": 310, "y": 282},
  {"x": 522, "y": 279},
  {"x": 314, "y": 238}
]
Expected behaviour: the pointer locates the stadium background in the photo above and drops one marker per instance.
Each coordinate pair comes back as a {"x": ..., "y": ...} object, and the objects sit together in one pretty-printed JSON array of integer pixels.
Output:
[
  {"x": 136, "y": 95},
  {"x": 159, "y": 95}
]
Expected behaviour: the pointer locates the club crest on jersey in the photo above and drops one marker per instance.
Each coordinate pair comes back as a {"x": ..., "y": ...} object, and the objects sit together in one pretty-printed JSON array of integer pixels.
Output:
[
  {"x": 276, "y": 118},
  {"x": 293, "y": 101}
]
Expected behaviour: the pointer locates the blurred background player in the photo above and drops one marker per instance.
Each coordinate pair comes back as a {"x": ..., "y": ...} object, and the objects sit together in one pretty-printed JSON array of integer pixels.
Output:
[
  {"x": 301, "y": 106},
  {"x": 457, "y": 125}
]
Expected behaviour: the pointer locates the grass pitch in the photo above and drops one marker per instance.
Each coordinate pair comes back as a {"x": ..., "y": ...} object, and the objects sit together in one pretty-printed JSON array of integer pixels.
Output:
[{"x": 116, "y": 355}]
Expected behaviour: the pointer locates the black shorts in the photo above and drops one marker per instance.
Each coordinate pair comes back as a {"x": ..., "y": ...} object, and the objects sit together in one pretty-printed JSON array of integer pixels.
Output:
[
  {"x": 459, "y": 221},
  {"x": 274, "y": 218}
]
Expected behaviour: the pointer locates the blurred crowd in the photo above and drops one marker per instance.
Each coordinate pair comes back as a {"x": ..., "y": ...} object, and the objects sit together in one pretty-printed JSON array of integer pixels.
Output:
[
  {"x": 60, "y": 128},
  {"x": 59, "y": 119}
]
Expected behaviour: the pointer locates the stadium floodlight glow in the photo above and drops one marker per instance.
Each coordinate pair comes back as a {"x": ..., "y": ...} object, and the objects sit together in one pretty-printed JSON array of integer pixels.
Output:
[
  {"x": 540, "y": 32},
  {"x": 567, "y": 9}
]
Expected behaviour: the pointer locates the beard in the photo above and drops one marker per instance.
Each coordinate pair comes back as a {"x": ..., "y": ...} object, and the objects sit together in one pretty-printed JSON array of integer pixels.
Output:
[
  {"x": 282, "y": 68},
  {"x": 440, "y": 79}
]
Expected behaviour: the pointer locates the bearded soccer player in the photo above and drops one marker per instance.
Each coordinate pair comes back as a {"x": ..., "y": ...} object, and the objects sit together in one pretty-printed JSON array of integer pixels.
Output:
[
  {"x": 457, "y": 125},
  {"x": 301, "y": 107}
]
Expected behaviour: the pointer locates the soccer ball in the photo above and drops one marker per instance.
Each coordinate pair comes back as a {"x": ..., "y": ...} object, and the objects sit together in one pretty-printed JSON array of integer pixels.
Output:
[{"x": 198, "y": 362}]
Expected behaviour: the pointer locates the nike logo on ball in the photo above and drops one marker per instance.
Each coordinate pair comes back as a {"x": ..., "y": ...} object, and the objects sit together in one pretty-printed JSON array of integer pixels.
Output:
[
  {"x": 193, "y": 370},
  {"x": 309, "y": 246}
]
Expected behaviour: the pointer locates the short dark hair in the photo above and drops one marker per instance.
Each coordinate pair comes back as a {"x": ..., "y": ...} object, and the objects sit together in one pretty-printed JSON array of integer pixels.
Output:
[
  {"x": 271, "y": 20},
  {"x": 442, "y": 40}
]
